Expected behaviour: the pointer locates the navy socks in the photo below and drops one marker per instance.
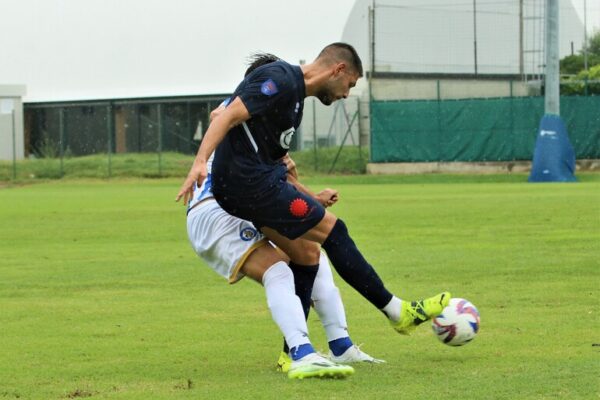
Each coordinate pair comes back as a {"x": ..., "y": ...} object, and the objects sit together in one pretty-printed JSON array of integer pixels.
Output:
[
  {"x": 339, "y": 346},
  {"x": 352, "y": 266},
  {"x": 304, "y": 280}
]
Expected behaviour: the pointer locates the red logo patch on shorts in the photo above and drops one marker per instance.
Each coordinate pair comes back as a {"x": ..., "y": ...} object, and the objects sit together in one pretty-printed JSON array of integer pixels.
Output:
[{"x": 298, "y": 208}]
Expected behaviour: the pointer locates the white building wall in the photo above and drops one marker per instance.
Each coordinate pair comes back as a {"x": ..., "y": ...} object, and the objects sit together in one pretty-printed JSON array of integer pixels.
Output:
[
  {"x": 427, "y": 89},
  {"x": 12, "y": 143}
]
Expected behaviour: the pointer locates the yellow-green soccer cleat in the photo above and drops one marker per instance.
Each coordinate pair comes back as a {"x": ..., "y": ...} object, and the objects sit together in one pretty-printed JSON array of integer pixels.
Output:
[
  {"x": 415, "y": 313},
  {"x": 284, "y": 362},
  {"x": 316, "y": 366}
]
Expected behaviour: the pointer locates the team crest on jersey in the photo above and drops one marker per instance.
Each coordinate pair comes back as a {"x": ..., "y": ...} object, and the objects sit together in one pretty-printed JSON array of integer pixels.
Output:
[
  {"x": 269, "y": 88},
  {"x": 248, "y": 233},
  {"x": 285, "y": 139}
]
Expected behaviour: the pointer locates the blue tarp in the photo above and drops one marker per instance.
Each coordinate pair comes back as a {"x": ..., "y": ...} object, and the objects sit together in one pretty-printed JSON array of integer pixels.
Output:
[{"x": 553, "y": 156}]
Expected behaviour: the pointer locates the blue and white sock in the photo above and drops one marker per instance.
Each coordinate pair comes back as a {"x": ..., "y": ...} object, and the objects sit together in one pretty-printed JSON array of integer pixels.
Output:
[
  {"x": 339, "y": 346},
  {"x": 301, "y": 351}
]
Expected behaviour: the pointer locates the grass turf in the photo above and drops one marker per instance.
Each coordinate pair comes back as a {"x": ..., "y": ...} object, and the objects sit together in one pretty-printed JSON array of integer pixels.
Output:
[
  {"x": 101, "y": 295},
  {"x": 352, "y": 160}
]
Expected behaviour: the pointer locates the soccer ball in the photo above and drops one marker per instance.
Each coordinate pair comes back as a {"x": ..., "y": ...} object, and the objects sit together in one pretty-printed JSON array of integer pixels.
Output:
[{"x": 457, "y": 324}]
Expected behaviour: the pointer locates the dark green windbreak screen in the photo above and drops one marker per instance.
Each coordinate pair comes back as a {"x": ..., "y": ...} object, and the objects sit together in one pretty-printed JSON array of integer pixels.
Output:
[{"x": 498, "y": 129}]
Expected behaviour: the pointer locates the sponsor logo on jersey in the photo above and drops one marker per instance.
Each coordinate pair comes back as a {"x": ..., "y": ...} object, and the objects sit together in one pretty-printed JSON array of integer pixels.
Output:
[
  {"x": 247, "y": 233},
  {"x": 285, "y": 139},
  {"x": 269, "y": 88}
]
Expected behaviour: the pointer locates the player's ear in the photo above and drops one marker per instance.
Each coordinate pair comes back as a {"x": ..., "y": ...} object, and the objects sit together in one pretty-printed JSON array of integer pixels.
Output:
[{"x": 339, "y": 68}]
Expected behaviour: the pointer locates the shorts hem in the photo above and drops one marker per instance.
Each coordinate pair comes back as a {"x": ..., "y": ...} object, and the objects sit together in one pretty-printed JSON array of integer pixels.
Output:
[{"x": 236, "y": 275}]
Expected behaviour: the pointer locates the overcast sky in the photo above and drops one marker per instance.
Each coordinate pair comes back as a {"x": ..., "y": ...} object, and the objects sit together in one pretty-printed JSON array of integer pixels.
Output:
[
  {"x": 82, "y": 49},
  {"x": 95, "y": 49}
]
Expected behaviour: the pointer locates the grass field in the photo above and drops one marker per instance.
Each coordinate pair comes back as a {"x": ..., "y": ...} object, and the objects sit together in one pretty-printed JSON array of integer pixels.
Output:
[{"x": 102, "y": 297}]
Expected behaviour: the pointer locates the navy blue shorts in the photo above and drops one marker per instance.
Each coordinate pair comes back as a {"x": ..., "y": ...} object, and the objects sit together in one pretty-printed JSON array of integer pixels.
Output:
[{"x": 283, "y": 208}]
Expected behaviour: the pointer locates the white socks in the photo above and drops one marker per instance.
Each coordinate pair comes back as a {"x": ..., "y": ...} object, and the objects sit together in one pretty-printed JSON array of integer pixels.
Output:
[
  {"x": 392, "y": 309},
  {"x": 285, "y": 306},
  {"x": 328, "y": 302}
]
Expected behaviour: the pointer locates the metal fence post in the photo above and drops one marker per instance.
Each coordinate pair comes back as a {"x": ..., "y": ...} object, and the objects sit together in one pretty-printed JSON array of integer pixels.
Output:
[
  {"x": 439, "y": 118},
  {"x": 61, "y": 138},
  {"x": 109, "y": 136},
  {"x": 159, "y": 110},
  {"x": 14, "y": 145},
  {"x": 512, "y": 120},
  {"x": 359, "y": 131}
]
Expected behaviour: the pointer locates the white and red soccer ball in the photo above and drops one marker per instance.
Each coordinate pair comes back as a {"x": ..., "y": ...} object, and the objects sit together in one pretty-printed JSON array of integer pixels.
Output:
[{"x": 457, "y": 324}]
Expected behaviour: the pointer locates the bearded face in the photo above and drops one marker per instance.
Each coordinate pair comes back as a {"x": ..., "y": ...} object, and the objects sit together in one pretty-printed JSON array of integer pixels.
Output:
[
  {"x": 337, "y": 87},
  {"x": 325, "y": 96},
  {"x": 331, "y": 91}
]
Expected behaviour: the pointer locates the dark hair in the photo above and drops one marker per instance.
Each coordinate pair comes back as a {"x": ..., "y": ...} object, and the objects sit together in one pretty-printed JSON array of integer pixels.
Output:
[
  {"x": 340, "y": 51},
  {"x": 259, "y": 59}
]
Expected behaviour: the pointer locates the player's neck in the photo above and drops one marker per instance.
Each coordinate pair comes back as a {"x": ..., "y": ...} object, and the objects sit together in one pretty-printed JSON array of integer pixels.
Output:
[{"x": 314, "y": 77}]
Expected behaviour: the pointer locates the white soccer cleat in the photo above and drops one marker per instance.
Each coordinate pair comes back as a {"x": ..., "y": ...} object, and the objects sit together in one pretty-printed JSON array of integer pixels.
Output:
[
  {"x": 316, "y": 366},
  {"x": 354, "y": 355}
]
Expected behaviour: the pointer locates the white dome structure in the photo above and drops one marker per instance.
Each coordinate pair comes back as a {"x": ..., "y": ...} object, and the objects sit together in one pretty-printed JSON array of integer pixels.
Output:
[{"x": 457, "y": 36}]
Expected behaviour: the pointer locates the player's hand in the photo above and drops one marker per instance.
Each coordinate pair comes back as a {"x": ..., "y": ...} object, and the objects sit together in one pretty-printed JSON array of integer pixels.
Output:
[
  {"x": 197, "y": 174},
  {"x": 327, "y": 197},
  {"x": 291, "y": 165}
]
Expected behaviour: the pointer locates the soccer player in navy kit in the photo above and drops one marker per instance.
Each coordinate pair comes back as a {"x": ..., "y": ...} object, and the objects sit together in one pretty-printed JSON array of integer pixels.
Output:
[
  {"x": 233, "y": 248},
  {"x": 249, "y": 179}
]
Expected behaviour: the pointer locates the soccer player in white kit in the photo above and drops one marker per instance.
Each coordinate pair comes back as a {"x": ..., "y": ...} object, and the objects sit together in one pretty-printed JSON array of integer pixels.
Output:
[{"x": 233, "y": 248}]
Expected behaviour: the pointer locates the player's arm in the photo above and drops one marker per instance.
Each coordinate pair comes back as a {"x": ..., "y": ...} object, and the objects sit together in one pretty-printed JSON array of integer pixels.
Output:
[
  {"x": 290, "y": 165},
  {"x": 327, "y": 197},
  {"x": 233, "y": 115},
  {"x": 217, "y": 111}
]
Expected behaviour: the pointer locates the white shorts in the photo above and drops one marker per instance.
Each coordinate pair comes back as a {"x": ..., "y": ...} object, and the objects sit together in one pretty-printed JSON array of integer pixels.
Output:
[{"x": 222, "y": 240}]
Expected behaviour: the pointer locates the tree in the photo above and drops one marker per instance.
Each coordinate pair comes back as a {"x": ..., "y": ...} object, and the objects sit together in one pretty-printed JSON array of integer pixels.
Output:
[
  {"x": 572, "y": 65},
  {"x": 581, "y": 81},
  {"x": 594, "y": 44}
]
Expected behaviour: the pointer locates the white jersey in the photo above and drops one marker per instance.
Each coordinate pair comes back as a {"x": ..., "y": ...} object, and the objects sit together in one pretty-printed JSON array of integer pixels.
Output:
[
  {"x": 205, "y": 190},
  {"x": 221, "y": 240}
]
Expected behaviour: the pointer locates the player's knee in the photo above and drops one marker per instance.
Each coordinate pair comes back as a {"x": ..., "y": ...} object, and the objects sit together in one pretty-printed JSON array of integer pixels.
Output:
[
  {"x": 341, "y": 226},
  {"x": 338, "y": 231},
  {"x": 279, "y": 285},
  {"x": 313, "y": 251},
  {"x": 308, "y": 254},
  {"x": 279, "y": 274}
]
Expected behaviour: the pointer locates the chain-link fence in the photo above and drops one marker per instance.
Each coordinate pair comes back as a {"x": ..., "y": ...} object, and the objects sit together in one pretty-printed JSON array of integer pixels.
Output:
[
  {"x": 159, "y": 137},
  {"x": 66, "y": 137}
]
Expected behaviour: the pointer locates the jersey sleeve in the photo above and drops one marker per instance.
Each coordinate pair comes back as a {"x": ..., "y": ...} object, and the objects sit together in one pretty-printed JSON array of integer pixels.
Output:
[{"x": 267, "y": 89}]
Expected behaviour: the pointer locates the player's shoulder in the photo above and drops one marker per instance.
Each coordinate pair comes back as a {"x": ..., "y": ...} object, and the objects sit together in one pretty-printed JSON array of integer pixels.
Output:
[
  {"x": 278, "y": 71},
  {"x": 279, "y": 66}
]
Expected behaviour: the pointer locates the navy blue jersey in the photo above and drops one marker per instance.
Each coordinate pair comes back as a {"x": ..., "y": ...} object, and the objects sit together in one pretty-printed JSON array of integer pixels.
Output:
[{"x": 248, "y": 157}]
